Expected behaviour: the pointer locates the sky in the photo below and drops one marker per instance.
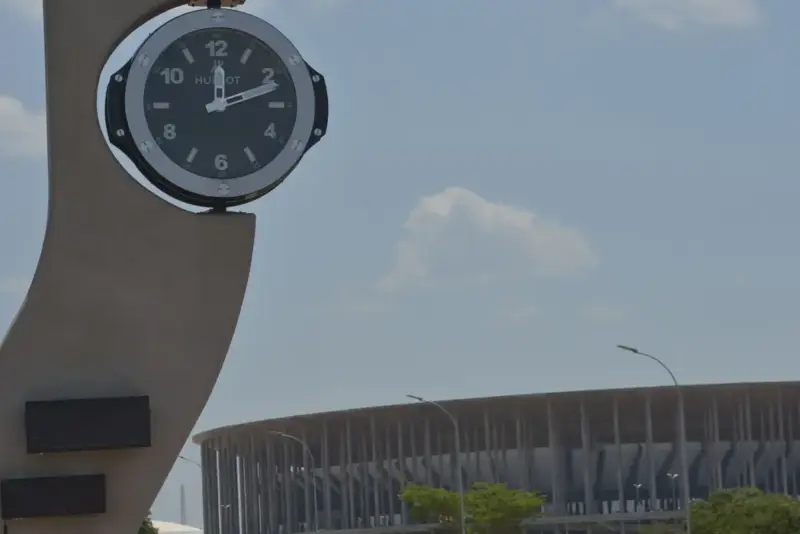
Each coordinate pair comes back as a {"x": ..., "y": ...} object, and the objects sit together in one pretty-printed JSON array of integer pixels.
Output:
[{"x": 507, "y": 190}]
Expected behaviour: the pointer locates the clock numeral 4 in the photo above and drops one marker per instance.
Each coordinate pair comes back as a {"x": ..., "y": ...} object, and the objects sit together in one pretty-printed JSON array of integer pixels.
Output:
[
  {"x": 270, "y": 131},
  {"x": 217, "y": 48},
  {"x": 221, "y": 162},
  {"x": 170, "y": 132},
  {"x": 172, "y": 76}
]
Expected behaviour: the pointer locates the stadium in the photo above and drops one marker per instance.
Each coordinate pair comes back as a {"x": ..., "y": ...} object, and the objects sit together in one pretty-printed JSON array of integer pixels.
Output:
[{"x": 610, "y": 457}]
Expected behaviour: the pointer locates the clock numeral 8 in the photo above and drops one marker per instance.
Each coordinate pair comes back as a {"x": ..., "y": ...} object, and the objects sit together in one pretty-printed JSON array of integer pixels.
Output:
[
  {"x": 169, "y": 132},
  {"x": 221, "y": 162}
]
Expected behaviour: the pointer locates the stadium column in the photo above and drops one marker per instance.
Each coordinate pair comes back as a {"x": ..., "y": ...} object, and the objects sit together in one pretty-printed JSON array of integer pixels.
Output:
[
  {"x": 401, "y": 460},
  {"x": 588, "y": 461},
  {"x": 326, "y": 476},
  {"x": 623, "y": 504},
  {"x": 717, "y": 449},
  {"x": 651, "y": 461},
  {"x": 557, "y": 473},
  {"x": 748, "y": 418},
  {"x": 782, "y": 439}
]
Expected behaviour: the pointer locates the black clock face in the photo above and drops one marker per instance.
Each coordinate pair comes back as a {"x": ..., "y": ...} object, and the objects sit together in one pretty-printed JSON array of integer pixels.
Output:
[{"x": 220, "y": 103}]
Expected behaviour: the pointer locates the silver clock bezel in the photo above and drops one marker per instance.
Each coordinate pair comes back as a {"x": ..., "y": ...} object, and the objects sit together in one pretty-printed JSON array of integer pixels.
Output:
[{"x": 219, "y": 188}]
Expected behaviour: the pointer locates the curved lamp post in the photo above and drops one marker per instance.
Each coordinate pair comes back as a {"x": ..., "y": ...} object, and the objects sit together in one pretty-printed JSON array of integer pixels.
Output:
[
  {"x": 682, "y": 431},
  {"x": 459, "y": 474},
  {"x": 189, "y": 460},
  {"x": 307, "y": 450}
]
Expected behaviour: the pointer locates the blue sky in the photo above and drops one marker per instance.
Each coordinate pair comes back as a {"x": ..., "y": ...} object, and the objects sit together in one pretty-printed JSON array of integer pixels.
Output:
[{"x": 507, "y": 190}]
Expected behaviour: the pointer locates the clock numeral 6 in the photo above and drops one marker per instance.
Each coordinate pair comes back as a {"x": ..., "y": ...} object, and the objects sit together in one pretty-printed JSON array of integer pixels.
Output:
[
  {"x": 169, "y": 132},
  {"x": 174, "y": 76},
  {"x": 221, "y": 162}
]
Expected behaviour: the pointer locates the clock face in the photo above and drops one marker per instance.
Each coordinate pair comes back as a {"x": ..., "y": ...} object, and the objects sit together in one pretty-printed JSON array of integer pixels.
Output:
[{"x": 220, "y": 103}]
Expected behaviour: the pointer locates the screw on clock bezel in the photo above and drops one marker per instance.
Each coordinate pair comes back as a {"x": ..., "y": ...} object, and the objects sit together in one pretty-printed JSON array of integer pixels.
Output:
[{"x": 213, "y": 189}]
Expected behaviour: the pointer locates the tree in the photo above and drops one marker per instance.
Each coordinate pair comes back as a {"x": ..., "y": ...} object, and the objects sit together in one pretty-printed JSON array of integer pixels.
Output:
[
  {"x": 147, "y": 526},
  {"x": 740, "y": 511},
  {"x": 746, "y": 511},
  {"x": 490, "y": 508}
]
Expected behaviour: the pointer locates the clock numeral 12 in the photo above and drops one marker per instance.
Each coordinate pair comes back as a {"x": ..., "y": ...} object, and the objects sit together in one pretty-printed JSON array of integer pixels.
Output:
[{"x": 217, "y": 48}]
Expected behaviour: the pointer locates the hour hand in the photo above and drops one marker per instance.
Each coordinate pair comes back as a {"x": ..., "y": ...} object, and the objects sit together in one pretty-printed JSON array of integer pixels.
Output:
[
  {"x": 219, "y": 83},
  {"x": 218, "y": 104}
]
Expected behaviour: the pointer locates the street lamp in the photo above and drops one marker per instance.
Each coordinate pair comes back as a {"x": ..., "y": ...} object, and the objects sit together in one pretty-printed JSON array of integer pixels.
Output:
[
  {"x": 682, "y": 430},
  {"x": 459, "y": 474},
  {"x": 307, "y": 450},
  {"x": 672, "y": 477},
  {"x": 189, "y": 460}
]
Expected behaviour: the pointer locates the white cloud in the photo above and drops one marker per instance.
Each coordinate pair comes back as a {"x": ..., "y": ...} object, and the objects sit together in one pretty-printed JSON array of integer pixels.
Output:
[
  {"x": 456, "y": 237},
  {"x": 23, "y": 133},
  {"x": 603, "y": 314},
  {"x": 28, "y": 9},
  {"x": 349, "y": 302},
  {"x": 677, "y": 14},
  {"x": 518, "y": 314}
]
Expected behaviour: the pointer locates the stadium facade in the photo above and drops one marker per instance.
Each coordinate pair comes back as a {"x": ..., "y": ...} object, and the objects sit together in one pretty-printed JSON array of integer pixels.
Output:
[{"x": 598, "y": 456}]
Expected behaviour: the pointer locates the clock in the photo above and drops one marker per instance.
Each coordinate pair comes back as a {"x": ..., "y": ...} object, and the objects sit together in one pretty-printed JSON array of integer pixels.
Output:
[{"x": 216, "y": 108}]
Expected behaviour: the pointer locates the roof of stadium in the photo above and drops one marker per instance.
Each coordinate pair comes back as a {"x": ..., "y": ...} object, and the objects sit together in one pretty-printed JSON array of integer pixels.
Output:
[{"x": 632, "y": 393}]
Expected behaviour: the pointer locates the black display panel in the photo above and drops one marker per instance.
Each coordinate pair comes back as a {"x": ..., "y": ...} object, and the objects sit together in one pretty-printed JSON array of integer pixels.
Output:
[
  {"x": 87, "y": 424},
  {"x": 25, "y": 498}
]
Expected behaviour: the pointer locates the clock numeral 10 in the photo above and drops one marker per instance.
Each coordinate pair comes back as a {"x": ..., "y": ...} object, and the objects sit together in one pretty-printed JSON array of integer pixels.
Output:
[
  {"x": 217, "y": 48},
  {"x": 174, "y": 75}
]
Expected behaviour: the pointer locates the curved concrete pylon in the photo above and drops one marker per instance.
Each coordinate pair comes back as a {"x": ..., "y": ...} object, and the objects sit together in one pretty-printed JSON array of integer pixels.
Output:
[{"x": 132, "y": 296}]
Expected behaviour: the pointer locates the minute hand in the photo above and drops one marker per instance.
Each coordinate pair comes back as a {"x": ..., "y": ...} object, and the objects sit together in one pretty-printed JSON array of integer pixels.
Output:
[{"x": 250, "y": 94}]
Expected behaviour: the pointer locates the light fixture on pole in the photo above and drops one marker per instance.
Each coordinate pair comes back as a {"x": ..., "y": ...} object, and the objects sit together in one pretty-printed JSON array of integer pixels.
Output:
[
  {"x": 681, "y": 430},
  {"x": 672, "y": 477},
  {"x": 459, "y": 474},
  {"x": 307, "y": 450},
  {"x": 189, "y": 460},
  {"x": 636, "y": 503}
]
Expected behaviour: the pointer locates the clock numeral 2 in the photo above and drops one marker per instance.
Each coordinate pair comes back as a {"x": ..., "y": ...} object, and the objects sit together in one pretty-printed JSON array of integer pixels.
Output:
[
  {"x": 268, "y": 75},
  {"x": 217, "y": 48}
]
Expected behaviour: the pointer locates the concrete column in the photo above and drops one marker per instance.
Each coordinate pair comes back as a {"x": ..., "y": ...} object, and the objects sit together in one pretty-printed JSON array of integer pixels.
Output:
[
  {"x": 135, "y": 295},
  {"x": 650, "y": 452}
]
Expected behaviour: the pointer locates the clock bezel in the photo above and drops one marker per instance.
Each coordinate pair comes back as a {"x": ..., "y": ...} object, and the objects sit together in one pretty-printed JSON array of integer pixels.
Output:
[{"x": 267, "y": 176}]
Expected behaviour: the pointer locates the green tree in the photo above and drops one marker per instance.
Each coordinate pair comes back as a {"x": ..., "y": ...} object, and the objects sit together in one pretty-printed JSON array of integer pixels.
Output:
[
  {"x": 490, "y": 508},
  {"x": 147, "y": 526},
  {"x": 740, "y": 511},
  {"x": 746, "y": 511}
]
